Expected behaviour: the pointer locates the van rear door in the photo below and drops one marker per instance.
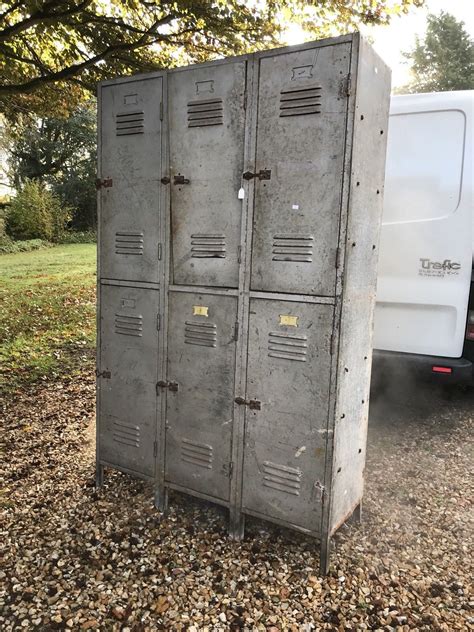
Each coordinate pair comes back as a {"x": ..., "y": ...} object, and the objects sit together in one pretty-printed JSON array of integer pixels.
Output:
[{"x": 426, "y": 247}]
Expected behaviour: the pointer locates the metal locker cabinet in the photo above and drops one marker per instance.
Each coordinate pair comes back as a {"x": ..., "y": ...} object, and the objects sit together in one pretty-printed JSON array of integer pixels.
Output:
[
  {"x": 129, "y": 182},
  {"x": 201, "y": 365},
  {"x": 127, "y": 376},
  {"x": 301, "y": 132},
  {"x": 286, "y": 426},
  {"x": 206, "y": 119}
]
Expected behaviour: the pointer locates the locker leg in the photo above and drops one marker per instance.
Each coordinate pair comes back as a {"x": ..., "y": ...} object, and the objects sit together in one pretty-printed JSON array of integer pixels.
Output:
[
  {"x": 99, "y": 475},
  {"x": 356, "y": 516},
  {"x": 236, "y": 525},
  {"x": 161, "y": 498},
  {"x": 324, "y": 554}
]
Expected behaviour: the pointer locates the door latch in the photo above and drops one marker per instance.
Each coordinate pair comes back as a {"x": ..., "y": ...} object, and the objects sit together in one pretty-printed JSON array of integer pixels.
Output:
[
  {"x": 105, "y": 183},
  {"x": 179, "y": 179},
  {"x": 253, "y": 404},
  {"x": 104, "y": 374},
  {"x": 165, "y": 180},
  {"x": 263, "y": 174},
  {"x": 172, "y": 386}
]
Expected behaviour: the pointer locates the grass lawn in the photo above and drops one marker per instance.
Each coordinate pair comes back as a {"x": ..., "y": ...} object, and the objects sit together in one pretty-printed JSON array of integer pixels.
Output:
[{"x": 47, "y": 314}]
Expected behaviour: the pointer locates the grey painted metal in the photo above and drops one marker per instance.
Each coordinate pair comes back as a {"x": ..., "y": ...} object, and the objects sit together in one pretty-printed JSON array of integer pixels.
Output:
[
  {"x": 201, "y": 357},
  {"x": 302, "y": 107},
  {"x": 127, "y": 376},
  {"x": 207, "y": 120},
  {"x": 129, "y": 180},
  {"x": 285, "y": 441},
  {"x": 267, "y": 281}
]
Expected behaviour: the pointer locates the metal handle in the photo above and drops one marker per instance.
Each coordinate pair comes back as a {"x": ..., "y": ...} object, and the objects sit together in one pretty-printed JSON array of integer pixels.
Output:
[
  {"x": 253, "y": 404},
  {"x": 263, "y": 174},
  {"x": 179, "y": 179}
]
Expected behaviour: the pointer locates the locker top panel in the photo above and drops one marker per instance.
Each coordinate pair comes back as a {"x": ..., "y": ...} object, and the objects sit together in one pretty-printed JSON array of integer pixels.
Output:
[
  {"x": 207, "y": 130},
  {"x": 129, "y": 179},
  {"x": 301, "y": 137}
]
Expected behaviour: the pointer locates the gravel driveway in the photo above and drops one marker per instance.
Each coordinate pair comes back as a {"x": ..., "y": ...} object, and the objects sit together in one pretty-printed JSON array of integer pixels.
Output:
[{"x": 81, "y": 559}]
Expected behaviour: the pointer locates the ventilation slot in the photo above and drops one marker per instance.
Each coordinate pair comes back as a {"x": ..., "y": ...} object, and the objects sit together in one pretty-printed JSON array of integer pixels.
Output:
[
  {"x": 196, "y": 453},
  {"x": 128, "y": 325},
  {"x": 283, "y": 478},
  {"x": 287, "y": 346},
  {"x": 126, "y": 434},
  {"x": 300, "y": 101},
  {"x": 130, "y": 123},
  {"x": 129, "y": 243},
  {"x": 204, "y": 246},
  {"x": 200, "y": 334},
  {"x": 205, "y": 112},
  {"x": 293, "y": 248}
]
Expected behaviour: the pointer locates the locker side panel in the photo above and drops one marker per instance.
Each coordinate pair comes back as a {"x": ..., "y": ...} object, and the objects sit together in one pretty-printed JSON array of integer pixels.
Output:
[
  {"x": 302, "y": 106},
  {"x": 285, "y": 440},
  {"x": 128, "y": 376},
  {"x": 359, "y": 284},
  {"x": 130, "y": 173},
  {"x": 207, "y": 119},
  {"x": 201, "y": 361}
]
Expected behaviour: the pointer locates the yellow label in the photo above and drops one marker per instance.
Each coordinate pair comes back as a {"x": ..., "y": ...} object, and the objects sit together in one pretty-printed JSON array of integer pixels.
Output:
[
  {"x": 290, "y": 321},
  {"x": 200, "y": 310}
]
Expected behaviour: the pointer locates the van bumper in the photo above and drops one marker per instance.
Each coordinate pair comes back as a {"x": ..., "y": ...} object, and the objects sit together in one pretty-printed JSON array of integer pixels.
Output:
[{"x": 390, "y": 364}]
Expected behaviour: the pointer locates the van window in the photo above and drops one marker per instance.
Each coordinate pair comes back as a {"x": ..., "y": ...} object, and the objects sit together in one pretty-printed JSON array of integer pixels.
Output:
[{"x": 424, "y": 166}]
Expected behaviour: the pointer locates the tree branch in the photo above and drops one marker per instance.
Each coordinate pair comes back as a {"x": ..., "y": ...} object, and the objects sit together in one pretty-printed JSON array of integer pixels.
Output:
[{"x": 42, "y": 16}]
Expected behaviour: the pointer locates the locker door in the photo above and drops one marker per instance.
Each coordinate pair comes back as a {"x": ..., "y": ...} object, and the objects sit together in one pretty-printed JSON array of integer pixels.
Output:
[
  {"x": 288, "y": 373},
  {"x": 201, "y": 361},
  {"x": 130, "y": 169},
  {"x": 207, "y": 118},
  {"x": 301, "y": 121},
  {"x": 127, "y": 384}
]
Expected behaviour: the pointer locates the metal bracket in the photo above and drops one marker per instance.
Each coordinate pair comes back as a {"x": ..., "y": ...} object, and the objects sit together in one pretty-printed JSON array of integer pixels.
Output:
[
  {"x": 172, "y": 386},
  {"x": 104, "y": 374},
  {"x": 179, "y": 179},
  {"x": 263, "y": 174},
  {"x": 253, "y": 404},
  {"x": 165, "y": 180},
  {"x": 106, "y": 183}
]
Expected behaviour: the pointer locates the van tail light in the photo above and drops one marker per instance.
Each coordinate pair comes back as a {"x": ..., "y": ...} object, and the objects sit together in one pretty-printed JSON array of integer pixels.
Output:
[
  {"x": 470, "y": 325},
  {"x": 442, "y": 369}
]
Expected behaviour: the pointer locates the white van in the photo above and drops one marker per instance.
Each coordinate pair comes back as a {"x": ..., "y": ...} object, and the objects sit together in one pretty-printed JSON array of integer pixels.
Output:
[{"x": 424, "y": 317}]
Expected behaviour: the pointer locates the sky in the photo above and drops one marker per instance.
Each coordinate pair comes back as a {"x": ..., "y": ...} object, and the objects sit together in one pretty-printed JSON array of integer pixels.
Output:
[{"x": 391, "y": 41}]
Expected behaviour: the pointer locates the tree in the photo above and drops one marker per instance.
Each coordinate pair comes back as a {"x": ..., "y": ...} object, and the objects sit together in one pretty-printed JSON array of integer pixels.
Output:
[
  {"x": 53, "y": 52},
  {"x": 444, "y": 60},
  {"x": 59, "y": 153}
]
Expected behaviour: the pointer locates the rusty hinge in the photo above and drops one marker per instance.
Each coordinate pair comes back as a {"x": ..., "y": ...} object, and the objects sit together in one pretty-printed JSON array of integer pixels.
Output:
[
  {"x": 179, "y": 179},
  {"x": 348, "y": 87},
  {"x": 263, "y": 174},
  {"x": 172, "y": 386},
  {"x": 236, "y": 330},
  {"x": 161, "y": 110},
  {"x": 104, "y": 374},
  {"x": 105, "y": 183},
  {"x": 155, "y": 448},
  {"x": 253, "y": 404},
  {"x": 320, "y": 491},
  {"x": 159, "y": 251},
  {"x": 158, "y": 322},
  {"x": 239, "y": 254}
]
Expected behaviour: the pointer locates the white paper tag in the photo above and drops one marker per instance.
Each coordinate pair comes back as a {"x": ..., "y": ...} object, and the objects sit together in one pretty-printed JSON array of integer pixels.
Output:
[
  {"x": 295, "y": 207},
  {"x": 241, "y": 193}
]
